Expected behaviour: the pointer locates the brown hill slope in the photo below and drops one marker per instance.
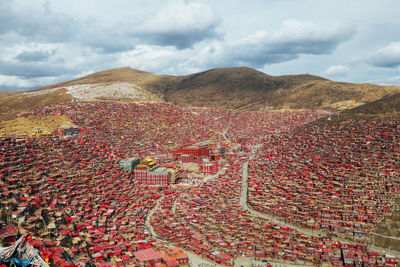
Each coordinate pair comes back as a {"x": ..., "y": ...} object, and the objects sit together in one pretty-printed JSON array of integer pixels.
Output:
[
  {"x": 2, "y": 92},
  {"x": 15, "y": 103},
  {"x": 238, "y": 88},
  {"x": 331, "y": 95},
  {"x": 225, "y": 87},
  {"x": 246, "y": 88},
  {"x": 32, "y": 124},
  {"x": 124, "y": 74},
  {"x": 386, "y": 108},
  {"x": 243, "y": 88}
]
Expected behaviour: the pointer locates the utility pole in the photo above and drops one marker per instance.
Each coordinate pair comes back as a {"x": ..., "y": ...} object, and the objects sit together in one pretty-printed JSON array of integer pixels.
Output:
[
  {"x": 330, "y": 114},
  {"x": 8, "y": 216}
]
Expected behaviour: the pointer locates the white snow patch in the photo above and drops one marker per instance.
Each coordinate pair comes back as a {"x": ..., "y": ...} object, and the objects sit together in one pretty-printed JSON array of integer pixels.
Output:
[
  {"x": 107, "y": 91},
  {"x": 115, "y": 91}
]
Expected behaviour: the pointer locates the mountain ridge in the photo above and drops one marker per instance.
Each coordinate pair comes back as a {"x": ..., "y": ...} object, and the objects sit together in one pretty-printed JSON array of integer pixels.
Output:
[{"x": 241, "y": 88}]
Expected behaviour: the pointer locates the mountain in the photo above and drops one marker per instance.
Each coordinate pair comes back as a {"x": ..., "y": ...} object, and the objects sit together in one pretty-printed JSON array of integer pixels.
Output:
[
  {"x": 238, "y": 88},
  {"x": 242, "y": 88},
  {"x": 246, "y": 88}
]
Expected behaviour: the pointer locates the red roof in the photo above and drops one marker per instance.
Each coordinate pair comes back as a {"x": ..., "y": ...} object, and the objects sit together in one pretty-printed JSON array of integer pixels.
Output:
[
  {"x": 172, "y": 263},
  {"x": 223, "y": 256},
  {"x": 8, "y": 231},
  {"x": 147, "y": 254}
]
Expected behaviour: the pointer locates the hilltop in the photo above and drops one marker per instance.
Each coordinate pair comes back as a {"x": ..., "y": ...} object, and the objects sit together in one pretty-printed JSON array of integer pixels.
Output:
[
  {"x": 242, "y": 88},
  {"x": 118, "y": 75},
  {"x": 249, "y": 89},
  {"x": 236, "y": 88}
]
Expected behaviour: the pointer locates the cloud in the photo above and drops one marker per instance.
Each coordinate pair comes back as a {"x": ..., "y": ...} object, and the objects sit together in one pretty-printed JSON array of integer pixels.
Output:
[
  {"x": 35, "y": 60},
  {"x": 46, "y": 41},
  {"x": 153, "y": 58},
  {"x": 39, "y": 24},
  {"x": 45, "y": 25},
  {"x": 23, "y": 83},
  {"x": 59, "y": 67},
  {"x": 16, "y": 83},
  {"x": 180, "y": 24},
  {"x": 33, "y": 69},
  {"x": 106, "y": 41},
  {"x": 289, "y": 42},
  {"x": 389, "y": 80},
  {"x": 293, "y": 39},
  {"x": 387, "y": 57},
  {"x": 337, "y": 70},
  {"x": 12, "y": 83},
  {"x": 6, "y": 17},
  {"x": 35, "y": 56},
  {"x": 395, "y": 80},
  {"x": 50, "y": 44}
]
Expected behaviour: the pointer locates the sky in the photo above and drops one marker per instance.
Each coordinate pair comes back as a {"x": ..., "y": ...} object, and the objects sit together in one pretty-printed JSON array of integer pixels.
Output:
[{"x": 44, "y": 42}]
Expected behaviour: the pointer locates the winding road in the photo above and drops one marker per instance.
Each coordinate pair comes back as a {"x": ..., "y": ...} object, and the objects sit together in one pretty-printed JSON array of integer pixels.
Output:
[{"x": 148, "y": 219}]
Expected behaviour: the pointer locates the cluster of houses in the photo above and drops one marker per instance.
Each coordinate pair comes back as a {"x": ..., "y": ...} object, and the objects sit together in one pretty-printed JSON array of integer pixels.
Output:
[
  {"x": 74, "y": 200},
  {"x": 210, "y": 221},
  {"x": 74, "y": 195},
  {"x": 341, "y": 180}
]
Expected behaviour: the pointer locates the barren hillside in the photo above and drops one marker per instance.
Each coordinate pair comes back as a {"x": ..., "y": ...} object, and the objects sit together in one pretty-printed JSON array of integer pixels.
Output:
[
  {"x": 243, "y": 88},
  {"x": 33, "y": 124},
  {"x": 237, "y": 88},
  {"x": 385, "y": 108},
  {"x": 13, "y": 104}
]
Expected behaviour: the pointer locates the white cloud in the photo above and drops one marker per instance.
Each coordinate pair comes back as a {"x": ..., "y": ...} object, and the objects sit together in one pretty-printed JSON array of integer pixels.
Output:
[
  {"x": 294, "y": 30},
  {"x": 256, "y": 49},
  {"x": 180, "y": 24},
  {"x": 35, "y": 60},
  {"x": 15, "y": 82},
  {"x": 291, "y": 40},
  {"x": 181, "y": 16},
  {"x": 45, "y": 40},
  {"x": 388, "y": 57},
  {"x": 151, "y": 58},
  {"x": 390, "y": 80},
  {"x": 337, "y": 70}
]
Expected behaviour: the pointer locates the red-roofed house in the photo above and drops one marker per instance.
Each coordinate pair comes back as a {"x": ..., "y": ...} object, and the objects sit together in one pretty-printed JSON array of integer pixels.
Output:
[
  {"x": 174, "y": 257},
  {"x": 147, "y": 257},
  {"x": 8, "y": 231}
]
